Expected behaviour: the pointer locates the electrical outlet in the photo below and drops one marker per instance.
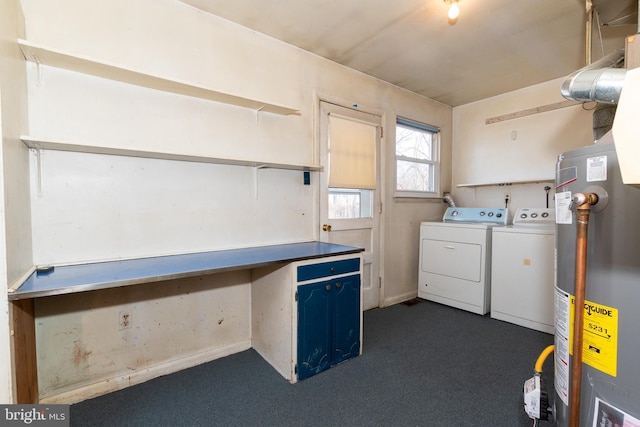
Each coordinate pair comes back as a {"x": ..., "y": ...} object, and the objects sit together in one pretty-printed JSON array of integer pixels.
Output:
[
  {"x": 124, "y": 320},
  {"x": 507, "y": 197}
]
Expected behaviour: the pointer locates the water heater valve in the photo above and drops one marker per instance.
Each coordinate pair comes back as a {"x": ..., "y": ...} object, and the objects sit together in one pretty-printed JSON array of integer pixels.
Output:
[{"x": 536, "y": 401}]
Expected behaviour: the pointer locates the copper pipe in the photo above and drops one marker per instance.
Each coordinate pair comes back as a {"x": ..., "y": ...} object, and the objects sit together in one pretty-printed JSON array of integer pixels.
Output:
[{"x": 584, "y": 202}]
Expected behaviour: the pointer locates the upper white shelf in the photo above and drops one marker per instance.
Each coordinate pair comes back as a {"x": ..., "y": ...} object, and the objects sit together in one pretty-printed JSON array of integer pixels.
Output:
[
  {"x": 44, "y": 55},
  {"x": 59, "y": 145},
  {"x": 489, "y": 184}
]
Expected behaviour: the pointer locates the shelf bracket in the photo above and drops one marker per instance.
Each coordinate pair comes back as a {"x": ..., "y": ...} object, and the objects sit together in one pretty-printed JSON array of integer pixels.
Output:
[
  {"x": 39, "y": 153},
  {"x": 258, "y": 114},
  {"x": 255, "y": 178},
  {"x": 38, "y": 69}
]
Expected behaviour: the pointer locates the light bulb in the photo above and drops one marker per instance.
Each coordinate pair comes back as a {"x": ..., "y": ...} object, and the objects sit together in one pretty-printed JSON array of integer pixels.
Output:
[{"x": 454, "y": 11}]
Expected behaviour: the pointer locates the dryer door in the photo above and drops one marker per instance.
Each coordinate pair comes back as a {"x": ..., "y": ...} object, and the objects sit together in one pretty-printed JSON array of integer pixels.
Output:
[{"x": 452, "y": 259}]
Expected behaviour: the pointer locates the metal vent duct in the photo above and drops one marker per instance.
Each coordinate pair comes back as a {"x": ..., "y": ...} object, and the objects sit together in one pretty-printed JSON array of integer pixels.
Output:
[{"x": 601, "y": 81}]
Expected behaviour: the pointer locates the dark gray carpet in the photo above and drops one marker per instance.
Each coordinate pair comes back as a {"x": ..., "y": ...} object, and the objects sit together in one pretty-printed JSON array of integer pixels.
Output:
[{"x": 423, "y": 365}]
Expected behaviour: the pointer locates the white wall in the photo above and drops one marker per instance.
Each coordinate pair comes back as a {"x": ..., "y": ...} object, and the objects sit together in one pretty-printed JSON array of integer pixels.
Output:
[
  {"x": 211, "y": 52},
  {"x": 92, "y": 207},
  {"x": 15, "y": 232},
  {"x": 515, "y": 150}
]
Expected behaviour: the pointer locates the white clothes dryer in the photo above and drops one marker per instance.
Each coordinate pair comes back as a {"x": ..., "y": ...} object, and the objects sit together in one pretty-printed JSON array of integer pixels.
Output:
[
  {"x": 455, "y": 258},
  {"x": 523, "y": 270}
]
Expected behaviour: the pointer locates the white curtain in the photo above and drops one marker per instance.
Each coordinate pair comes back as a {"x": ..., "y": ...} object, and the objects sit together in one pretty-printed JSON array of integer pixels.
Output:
[{"x": 352, "y": 153}]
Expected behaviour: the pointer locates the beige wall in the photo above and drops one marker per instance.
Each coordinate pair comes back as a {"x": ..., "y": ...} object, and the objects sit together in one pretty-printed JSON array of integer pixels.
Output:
[
  {"x": 15, "y": 232},
  {"x": 84, "y": 352},
  {"x": 91, "y": 207},
  {"x": 402, "y": 216},
  {"x": 520, "y": 151}
]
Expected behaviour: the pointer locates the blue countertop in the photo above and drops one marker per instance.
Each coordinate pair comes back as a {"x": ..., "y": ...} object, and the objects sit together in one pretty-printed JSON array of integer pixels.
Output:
[{"x": 110, "y": 274}]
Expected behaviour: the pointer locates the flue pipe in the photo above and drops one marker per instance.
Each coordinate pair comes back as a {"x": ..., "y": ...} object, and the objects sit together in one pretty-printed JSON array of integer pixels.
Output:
[
  {"x": 601, "y": 81},
  {"x": 583, "y": 201}
]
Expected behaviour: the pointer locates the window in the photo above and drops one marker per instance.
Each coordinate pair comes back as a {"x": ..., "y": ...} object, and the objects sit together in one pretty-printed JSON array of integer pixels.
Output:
[
  {"x": 352, "y": 167},
  {"x": 417, "y": 159},
  {"x": 345, "y": 203}
]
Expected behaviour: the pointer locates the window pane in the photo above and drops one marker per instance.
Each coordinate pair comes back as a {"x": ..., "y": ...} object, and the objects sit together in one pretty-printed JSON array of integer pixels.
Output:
[
  {"x": 348, "y": 204},
  {"x": 416, "y": 143},
  {"x": 417, "y": 158},
  {"x": 412, "y": 176}
]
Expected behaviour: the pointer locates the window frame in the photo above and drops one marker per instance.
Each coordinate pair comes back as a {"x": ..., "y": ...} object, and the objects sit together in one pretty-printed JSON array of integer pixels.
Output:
[{"x": 435, "y": 162}]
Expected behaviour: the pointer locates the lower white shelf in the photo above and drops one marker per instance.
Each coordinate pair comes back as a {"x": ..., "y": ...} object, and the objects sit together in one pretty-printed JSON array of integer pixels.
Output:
[
  {"x": 489, "y": 184},
  {"x": 59, "y": 145}
]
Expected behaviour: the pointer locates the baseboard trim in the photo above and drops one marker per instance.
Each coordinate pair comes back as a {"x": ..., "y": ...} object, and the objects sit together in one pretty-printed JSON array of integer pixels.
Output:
[
  {"x": 400, "y": 298},
  {"x": 168, "y": 367}
]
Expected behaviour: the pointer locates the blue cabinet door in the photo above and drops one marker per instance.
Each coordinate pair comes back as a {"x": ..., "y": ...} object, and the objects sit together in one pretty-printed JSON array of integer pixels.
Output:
[
  {"x": 328, "y": 324},
  {"x": 346, "y": 319},
  {"x": 314, "y": 328}
]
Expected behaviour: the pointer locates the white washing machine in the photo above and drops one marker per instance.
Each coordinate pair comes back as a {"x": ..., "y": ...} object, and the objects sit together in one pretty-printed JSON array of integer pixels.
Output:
[
  {"x": 522, "y": 275},
  {"x": 455, "y": 258}
]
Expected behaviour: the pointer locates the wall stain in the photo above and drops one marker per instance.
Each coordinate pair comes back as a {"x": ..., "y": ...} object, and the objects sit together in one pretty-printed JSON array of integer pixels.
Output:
[{"x": 80, "y": 354}]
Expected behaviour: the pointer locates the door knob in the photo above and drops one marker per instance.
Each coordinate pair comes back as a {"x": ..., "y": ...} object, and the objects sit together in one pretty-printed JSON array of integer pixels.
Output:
[{"x": 326, "y": 227}]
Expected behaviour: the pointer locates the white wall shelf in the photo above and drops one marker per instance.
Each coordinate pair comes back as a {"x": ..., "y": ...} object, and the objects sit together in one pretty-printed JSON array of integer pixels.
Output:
[
  {"x": 489, "y": 184},
  {"x": 43, "y": 55},
  {"x": 59, "y": 145}
]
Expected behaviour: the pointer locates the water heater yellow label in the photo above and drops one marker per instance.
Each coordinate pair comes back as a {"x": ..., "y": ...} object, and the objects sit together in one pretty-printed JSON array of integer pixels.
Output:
[{"x": 600, "y": 336}]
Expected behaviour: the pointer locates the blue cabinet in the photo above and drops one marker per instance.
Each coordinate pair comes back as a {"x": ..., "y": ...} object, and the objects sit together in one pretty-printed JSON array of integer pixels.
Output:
[
  {"x": 307, "y": 316},
  {"x": 329, "y": 316}
]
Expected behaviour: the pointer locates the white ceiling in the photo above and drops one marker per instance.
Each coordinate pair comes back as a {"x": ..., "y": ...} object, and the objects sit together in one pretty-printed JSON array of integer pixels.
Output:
[{"x": 495, "y": 46}]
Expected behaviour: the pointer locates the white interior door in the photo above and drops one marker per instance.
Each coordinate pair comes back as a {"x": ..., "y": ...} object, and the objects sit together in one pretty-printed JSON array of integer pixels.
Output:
[{"x": 351, "y": 216}]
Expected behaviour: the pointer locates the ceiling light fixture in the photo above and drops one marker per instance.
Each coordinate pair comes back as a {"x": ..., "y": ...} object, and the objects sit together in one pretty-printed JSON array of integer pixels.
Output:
[{"x": 454, "y": 11}]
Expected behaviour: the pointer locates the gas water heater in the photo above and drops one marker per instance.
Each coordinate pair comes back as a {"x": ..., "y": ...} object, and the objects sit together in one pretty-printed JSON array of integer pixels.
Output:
[{"x": 598, "y": 286}]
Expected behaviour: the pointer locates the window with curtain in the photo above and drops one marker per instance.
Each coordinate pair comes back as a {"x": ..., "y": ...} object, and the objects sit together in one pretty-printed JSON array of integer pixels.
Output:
[
  {"x": 417, "y": 159},
  {"x": 352, "y": 167}
]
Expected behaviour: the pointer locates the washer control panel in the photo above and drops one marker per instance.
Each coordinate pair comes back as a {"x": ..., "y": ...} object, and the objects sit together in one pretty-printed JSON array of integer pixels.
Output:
[
  {"x": 535, "y": 216},
  {"x": 477, "y": 215}
]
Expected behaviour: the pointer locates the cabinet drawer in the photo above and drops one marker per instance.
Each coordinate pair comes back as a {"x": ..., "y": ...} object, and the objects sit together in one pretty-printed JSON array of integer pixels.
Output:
[{"x": 324, "y": 269}]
